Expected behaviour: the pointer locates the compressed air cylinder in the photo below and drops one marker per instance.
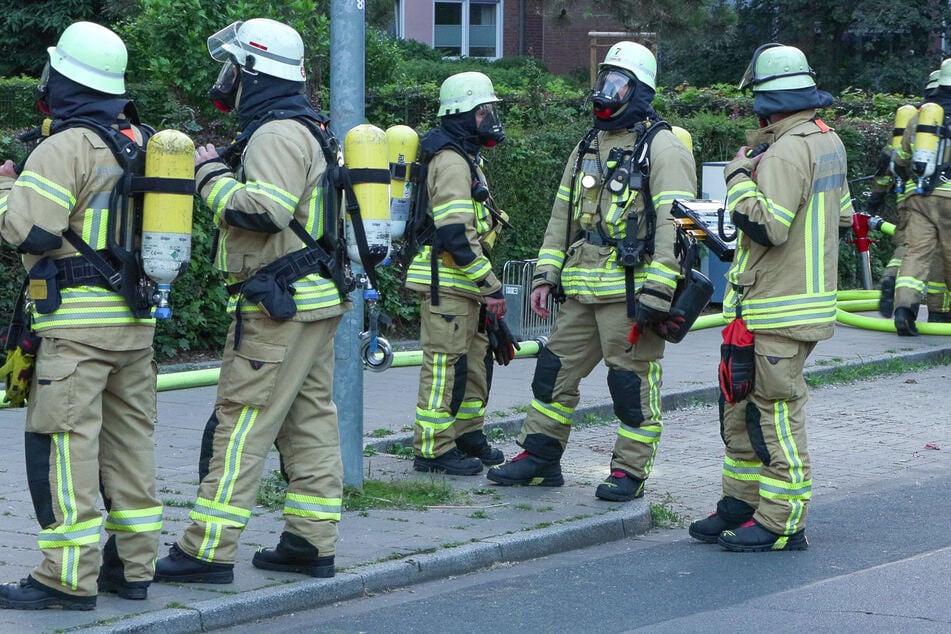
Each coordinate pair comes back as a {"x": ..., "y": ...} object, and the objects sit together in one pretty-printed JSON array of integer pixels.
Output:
[
  {"x": 683, "y": 135},
  {"x": 365, "y": 156},
  {"x": 902, "y": 117},
  {"x": 924, "y": 153},
  {"x": 167, "y": 215},
  {"x": 403, "y": 147}
]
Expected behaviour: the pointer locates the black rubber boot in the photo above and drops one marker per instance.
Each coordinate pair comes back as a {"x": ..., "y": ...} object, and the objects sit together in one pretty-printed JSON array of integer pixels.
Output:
[
  {"x": 179, "y": 567},
  {"x": 294, "y": 554},
  {"x": 476, "y": 445},
  {"x": 886, "y": 303},
  {"x": 527, "y": 469},
  {"x": 453, "y": 462},
  {"x": 751, "y": 537},
  {"x": 112, "y": 575},
  {"x": 731, "y": 513},
  {"x": 30, "y": 594},
  {"x": 905, "y": 321},
  {"x": 620, "y": 486},
  {"x": 938, "y": 317}
]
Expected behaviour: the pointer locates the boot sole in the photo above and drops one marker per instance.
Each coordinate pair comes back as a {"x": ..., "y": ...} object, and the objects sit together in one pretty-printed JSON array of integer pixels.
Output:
[
  {"x": 321, "y": 572},
  {"x": 761, "y": 548},
  {"x": 614, "y": 497},
  {"x": 46, "y": 603},
  {"x": 550, "y": 481},
  {"x": 706, "y": 538},
  {"x": 204, "y": 577},
  {"x": 132, "y": 594},
  {"x": 457, "y": 472}
]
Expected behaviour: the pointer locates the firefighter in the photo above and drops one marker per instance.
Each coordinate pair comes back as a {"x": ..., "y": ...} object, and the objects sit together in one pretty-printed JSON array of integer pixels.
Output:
[
  {"x": 886, "y": 181},
  {"x": 92, "y": 400},
  {"x": 268, "y": 195},
  {"x": 790, "y": 203},
  {"x": 608, "y": 252},
  {"x": 928, "y": 230},
  {"x": 453, "y": 278}
]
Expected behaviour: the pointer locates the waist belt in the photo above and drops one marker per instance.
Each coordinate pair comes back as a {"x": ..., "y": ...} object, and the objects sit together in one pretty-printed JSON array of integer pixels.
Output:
[
  {"x": 291, "y": 267},
  {"x": 593, "y": 237},
  {"x": 76, "y": 271}
]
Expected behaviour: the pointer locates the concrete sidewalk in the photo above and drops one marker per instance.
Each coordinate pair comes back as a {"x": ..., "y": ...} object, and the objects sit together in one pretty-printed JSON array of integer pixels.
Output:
[{"x": 383, "y": 549}]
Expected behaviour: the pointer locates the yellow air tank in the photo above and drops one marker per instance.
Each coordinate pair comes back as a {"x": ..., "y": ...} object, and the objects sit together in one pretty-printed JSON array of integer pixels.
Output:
[
  {"x": 365, "y": 156},
  {"x": 924, "y": 153},
  {"x": 167, "y": 215},
  {"x": 683, "y": 135},
  {"x": 403, "y": 148}
]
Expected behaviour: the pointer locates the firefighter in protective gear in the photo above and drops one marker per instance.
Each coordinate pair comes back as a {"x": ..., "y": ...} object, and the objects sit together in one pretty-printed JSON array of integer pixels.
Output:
[
  {"x": 927, "y": 234},
  {"x": 268, "y": 197},
  {"x": 92, "y": 405},
  {"x": 453, "y": 278},
  {"x": 888, "y": 179},
  {"x": 608, "y": 251},
  {"x": 788, "y": 204}
]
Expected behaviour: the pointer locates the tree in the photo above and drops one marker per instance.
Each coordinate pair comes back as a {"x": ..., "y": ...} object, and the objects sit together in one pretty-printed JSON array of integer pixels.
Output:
[{"x": 27, "y": 29}]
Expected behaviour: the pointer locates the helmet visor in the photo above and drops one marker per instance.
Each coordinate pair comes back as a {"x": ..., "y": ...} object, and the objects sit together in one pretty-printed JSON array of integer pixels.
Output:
[
  {"x": 222, "y": 44},
  {"x": 488, "y": 124},
  {"x": 611, "y": 91},
  {"x": 225, "y": 89}
]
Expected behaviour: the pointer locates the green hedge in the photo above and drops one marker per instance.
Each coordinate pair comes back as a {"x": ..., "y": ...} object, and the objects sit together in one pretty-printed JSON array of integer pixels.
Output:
[{"x": 544, "y": 117}]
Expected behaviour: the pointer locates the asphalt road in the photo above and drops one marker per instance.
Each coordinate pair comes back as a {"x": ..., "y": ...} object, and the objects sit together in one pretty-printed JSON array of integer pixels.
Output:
[{"x": 878, "y": 561}]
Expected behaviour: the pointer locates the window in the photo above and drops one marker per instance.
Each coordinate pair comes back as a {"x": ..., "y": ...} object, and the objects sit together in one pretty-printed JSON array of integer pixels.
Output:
[{"x": 468, "y": 28}]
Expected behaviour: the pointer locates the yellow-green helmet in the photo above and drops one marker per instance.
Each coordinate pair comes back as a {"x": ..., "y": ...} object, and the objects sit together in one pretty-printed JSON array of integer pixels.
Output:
[
  {"x": 778, "y": 67},
  {"x": 91, "y": 55},
  {"x": 944, "y": 75},
  {"x": 464, "y": 91},
  {"x": 635, "y": 58}
]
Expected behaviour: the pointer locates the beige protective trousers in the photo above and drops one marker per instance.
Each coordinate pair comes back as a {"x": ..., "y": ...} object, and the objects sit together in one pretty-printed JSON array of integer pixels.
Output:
[
  {"x": 455, "y": 375},
  {"x": 767, "y": 463},
  {"x": 90, "y": 423},
  {"x": 275, "y": 389}
]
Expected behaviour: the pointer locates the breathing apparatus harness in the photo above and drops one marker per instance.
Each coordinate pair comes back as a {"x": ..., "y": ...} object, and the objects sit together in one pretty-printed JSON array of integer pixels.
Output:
[
  {"x": 120, "y": 269},
  {"x": 420, "y": 227},
  {"x": 628, "y": 168},
  {"x": 271, "y": 286}
]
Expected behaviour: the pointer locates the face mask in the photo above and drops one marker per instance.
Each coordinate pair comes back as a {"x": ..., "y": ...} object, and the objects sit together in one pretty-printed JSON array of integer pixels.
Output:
[
  {"x": 43, "y": 90},
  {"x": 224, "y": 93},
  {"x": 489, "y": 127},
  {"x": 613, "y": 89}
]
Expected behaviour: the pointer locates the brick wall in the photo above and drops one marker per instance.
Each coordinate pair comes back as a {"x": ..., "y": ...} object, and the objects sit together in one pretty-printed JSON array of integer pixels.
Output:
[{"x": 556, "y": 32}]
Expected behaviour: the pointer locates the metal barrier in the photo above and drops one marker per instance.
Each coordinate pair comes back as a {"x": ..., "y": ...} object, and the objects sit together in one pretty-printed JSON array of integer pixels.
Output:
[{"x": 517, "y": 288}]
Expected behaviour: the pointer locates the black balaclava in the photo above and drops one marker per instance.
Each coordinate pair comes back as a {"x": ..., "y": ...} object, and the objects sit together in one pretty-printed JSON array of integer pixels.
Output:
[
  {"x": 942, "y": 97},
  {"x": 67, "y": 99},
  {"x": 636, "y": 109},
  {"x": 461, "y": 128},
  {"x": 263, "y": 97},
  {"x": 769, "y": 102}
]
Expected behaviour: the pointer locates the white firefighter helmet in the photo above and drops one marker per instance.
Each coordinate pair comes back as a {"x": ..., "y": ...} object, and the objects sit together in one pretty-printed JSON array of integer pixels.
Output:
[
  {"x": 635, "y": 58},
  {"x": 932, "y": 80},
  {"x": 944, "y": 75},
  {"x": 91, "y": 55},
  {"x": 778, "y": 67},
  {"x": 464, "y": 91},
  {"x": 261, "y": 45}
]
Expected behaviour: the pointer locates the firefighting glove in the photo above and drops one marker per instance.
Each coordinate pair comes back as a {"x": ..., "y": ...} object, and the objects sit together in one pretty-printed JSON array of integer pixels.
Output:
[
  {"x": 502, "y": 342},
  {"x": 16, "y": 374},
  {"x": 660, "y": 321}
]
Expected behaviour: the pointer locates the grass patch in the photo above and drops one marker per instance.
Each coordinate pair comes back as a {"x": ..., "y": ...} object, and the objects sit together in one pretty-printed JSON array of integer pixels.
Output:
[
  {"x": 380, "y": 433},
  {"x": 663, "y": 516},
  {"x": 400, "y": 450},
  {"x": 411, "y": 495},
  {"x": 887, "y": 367}
]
